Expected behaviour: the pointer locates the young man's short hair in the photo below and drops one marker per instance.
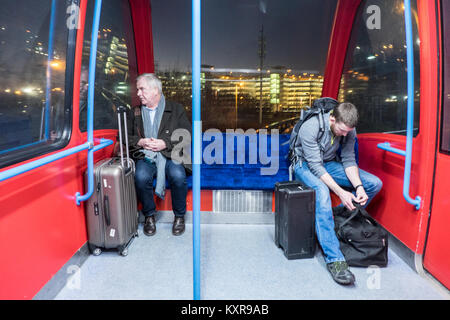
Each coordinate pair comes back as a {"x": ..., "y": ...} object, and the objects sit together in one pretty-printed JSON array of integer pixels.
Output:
[{"x": 346, "y": 113}]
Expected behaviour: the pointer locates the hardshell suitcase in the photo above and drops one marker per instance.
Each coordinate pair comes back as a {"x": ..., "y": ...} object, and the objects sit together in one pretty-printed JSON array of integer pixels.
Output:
[
  {"x": 295, "y": 219},
  {"x": 112, "y": 215}
]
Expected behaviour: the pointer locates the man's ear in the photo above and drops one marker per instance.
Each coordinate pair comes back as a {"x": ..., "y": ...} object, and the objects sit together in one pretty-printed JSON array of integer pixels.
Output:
[{"x": 332, "y": 120}]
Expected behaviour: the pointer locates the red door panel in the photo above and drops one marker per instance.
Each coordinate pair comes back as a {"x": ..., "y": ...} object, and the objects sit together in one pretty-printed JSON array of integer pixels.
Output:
[{"x": 437, "y": 252}]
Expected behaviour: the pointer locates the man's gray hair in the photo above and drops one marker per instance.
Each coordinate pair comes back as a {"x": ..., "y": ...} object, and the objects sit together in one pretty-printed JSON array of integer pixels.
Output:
[
  {"x": 152, "y": 80},
  {"x": 347, "y": 114}
]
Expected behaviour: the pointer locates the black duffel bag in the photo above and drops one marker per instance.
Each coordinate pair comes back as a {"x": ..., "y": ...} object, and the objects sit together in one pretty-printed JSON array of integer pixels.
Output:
[{"x": 363, "y": 241}]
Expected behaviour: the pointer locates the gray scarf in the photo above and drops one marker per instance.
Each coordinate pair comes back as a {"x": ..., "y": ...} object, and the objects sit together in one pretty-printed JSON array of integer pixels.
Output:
[{"x": 151, "y": 131}]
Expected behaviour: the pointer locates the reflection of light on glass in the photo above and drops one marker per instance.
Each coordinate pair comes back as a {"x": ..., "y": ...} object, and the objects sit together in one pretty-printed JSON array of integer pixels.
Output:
[
  {"x": 57, "y": 65},
  {"x": 371, "y": 57},
  {"x": 28, "y": 90}
]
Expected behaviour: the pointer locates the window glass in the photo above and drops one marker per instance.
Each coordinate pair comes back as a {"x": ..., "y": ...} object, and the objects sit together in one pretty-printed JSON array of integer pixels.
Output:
[
  {"x": 257, "y": 56},
  {"x": 374, "y": 78},
  {"x": 445, "y": 131},
  {"x": 35, "y": 86},
  {"x": 115, "y": 71}
]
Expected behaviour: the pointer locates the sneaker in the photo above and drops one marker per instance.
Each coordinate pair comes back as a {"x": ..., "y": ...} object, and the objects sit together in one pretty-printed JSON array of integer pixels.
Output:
[{"x": 340, "y": 272}]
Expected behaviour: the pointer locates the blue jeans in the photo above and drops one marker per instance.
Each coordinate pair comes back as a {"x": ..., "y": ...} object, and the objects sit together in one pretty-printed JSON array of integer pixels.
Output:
[
  {"x": 175, "y": 174},
  {"x": 324, "y": 214}
]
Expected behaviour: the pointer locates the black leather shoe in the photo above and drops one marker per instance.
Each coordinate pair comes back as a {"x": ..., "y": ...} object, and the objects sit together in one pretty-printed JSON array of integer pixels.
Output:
[
  {"x": 150, "y": 226},
  {"x": 178, "y": 226},
  {"x": 340, "y": 272}
]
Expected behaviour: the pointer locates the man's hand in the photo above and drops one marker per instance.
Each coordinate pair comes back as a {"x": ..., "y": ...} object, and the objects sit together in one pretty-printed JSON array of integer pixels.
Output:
[
  {"x": 143, "y": 142},
  {"x": 361, "y": 196},
  {"x": 152, "y": 144},
  {"x": 347, "y": 198}
]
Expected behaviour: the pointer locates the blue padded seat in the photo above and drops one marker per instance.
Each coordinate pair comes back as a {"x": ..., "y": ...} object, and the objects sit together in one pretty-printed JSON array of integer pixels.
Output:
[{"x": 243, "y": 176}]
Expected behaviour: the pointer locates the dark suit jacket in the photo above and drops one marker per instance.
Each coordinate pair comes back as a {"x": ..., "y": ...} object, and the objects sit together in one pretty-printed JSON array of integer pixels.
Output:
[{"x": 174, "y": 117}]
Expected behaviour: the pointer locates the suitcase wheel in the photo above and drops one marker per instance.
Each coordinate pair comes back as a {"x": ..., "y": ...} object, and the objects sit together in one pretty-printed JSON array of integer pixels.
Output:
[
  {"x": 124, "y": 252},
  {"x": 96, "y": 251}
]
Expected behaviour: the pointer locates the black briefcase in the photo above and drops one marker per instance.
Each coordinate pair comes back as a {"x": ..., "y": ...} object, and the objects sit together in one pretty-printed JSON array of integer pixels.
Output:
[{"x": 295, "y": 219}]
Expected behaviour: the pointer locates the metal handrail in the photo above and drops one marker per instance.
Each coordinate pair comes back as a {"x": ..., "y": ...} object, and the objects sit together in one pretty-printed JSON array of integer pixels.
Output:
[
  {"x": 90, "y": 104},
  {"x": 197, "y": 143},
  {"x": 7, "y": 174},
  {"x": 48, "y": 75},
  {"x": 410, "y": 112},
  {"x": 387, "y": 146}
]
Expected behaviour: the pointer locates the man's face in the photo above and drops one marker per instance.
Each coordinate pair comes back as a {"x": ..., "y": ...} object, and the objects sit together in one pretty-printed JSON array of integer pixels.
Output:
[
  {"x": 339, "y": 128},
  {"x": 148, "y": 96}
]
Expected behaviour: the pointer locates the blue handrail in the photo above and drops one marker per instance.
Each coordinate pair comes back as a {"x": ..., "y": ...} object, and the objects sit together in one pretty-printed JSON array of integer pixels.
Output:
[
  {"x": 387, "y": 146},
  {"x": 197, "y": 142},
  {"x": 43, "y": 161},
  {"x": 48, "y": 75},
  {"x": 90, "y": 106},
  {"x": 410, "y": 111}
]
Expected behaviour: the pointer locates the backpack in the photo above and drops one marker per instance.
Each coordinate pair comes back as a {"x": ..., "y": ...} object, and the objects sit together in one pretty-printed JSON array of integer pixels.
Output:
[
  {"x": 362, "y": 240},
  {"x": 319, "y": 108}
]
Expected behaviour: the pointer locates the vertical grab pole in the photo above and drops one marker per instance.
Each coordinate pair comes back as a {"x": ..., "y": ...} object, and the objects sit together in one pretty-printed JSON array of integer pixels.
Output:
[
  {"x": 197, "y": 142},
  {"x": 48, "y": 74},
  {"x": 90, "y": 106},
  {"x": 410, "y": 109}
]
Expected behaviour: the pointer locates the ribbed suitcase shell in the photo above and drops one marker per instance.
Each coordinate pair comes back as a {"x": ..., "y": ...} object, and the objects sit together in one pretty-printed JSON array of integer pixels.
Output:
[
  {"x": 112, "y": 216},
  {"x": 295, "y": 219}
]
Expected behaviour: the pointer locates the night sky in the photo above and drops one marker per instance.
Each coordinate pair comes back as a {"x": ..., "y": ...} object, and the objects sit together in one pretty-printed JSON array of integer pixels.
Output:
[{"x": 297, "y": 33}]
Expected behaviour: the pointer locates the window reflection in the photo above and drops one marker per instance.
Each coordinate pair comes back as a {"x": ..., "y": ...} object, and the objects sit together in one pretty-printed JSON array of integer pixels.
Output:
[
  {"x": 374, "y": 76},
  {"x": 116, "y": 68},
  {"x": 261, "y": 62},
  {"x": 33, "y": 114}
]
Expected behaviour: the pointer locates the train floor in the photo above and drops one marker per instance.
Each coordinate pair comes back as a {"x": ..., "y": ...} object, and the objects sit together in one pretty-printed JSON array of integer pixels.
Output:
[{"x": 238, "y": 261}]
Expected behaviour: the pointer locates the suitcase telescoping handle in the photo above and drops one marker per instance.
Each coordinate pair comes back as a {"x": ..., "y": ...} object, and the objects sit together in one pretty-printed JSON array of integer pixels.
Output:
[{"x": 122, "y": 110}]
